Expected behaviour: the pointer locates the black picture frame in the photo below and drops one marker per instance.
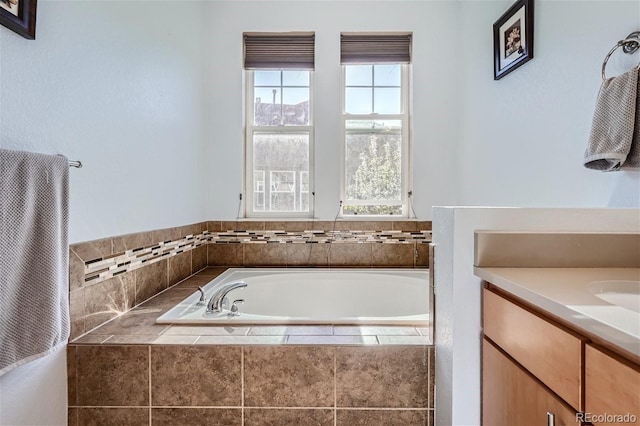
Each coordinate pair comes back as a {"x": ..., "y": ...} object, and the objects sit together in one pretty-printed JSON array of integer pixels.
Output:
[
  {"x": 19, "y": 16},
  {"x": 513, "y": 38}
]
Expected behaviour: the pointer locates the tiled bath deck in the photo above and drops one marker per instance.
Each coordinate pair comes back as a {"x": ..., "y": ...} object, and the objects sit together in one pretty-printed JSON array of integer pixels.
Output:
[
  {"x": 133, "y": 371},
  {"x": 138, "y": 326}
]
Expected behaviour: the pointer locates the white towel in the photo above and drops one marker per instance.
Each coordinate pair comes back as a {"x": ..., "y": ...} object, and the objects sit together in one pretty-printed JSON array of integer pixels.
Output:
[
  {"x": 34, "y": 256},
  {"x": 613, "y": 123}
]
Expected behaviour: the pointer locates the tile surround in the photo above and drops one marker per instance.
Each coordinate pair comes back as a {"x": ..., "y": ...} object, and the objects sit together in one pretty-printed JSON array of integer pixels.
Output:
[
  {"x": 250, "y": 385},
  {"x": 152, "y": 374}
]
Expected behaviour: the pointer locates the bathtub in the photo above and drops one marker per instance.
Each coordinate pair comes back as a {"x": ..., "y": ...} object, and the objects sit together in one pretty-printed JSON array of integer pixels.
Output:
[{"x": 313, "y": 296}]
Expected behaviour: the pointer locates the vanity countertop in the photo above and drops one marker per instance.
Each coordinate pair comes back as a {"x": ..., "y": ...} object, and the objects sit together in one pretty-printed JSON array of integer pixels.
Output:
[{"x": 577, "y": 297}]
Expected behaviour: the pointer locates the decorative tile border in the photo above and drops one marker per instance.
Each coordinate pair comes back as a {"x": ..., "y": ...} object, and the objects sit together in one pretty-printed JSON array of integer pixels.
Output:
[{"x": 103, "y": 268}]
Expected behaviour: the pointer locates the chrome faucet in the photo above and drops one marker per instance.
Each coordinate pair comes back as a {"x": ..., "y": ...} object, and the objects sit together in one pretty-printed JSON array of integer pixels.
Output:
[{"x": 215, "y": 303}]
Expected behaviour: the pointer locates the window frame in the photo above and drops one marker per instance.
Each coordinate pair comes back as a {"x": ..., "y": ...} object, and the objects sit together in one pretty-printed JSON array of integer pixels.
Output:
[
  {"x": 251, "y": 129},
  {"x": 405, "y": 150}
]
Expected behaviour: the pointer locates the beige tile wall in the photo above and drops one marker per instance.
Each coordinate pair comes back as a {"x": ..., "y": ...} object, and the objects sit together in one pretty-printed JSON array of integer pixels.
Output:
[
  {"x": 250, "y": 385},
  {"x": 93, "y": 303}
]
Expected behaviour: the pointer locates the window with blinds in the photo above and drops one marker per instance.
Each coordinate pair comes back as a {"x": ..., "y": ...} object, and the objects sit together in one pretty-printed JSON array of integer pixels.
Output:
[
  {"x": 279, "y": 123},
  {"x": 375, "y": 117}
]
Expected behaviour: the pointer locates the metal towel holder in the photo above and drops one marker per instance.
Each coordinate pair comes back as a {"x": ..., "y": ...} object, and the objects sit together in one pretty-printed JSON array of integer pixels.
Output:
[{"x": 630, "y": 45}]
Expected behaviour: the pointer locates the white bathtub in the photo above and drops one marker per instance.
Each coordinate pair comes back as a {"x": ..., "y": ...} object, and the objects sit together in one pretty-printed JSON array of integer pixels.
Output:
[{"x": 314, "y": 296}]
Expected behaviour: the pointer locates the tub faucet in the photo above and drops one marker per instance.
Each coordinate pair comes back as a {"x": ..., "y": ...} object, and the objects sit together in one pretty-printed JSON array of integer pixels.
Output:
[{"x": 215, "y": 303}]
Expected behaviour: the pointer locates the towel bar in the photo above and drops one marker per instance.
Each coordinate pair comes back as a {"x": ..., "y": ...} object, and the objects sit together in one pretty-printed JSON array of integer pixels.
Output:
[
  {"x": 629, "y": 45},
  {"x": 76, "y": 164}
]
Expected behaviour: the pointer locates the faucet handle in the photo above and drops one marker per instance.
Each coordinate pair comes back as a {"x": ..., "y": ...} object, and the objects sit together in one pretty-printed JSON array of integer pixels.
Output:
[
  {"x": 234, "y": 307},
  {"x": 202, "y": 300}
]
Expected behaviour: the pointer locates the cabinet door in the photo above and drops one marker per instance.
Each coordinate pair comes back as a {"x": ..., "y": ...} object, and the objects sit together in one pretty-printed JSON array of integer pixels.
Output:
[
  {"x": 511, "y": 396},
  {"x": 612, "y": 388}
]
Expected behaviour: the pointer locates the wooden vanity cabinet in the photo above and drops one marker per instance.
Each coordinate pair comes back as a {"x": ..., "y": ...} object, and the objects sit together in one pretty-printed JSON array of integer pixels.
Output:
[
  {"x": 512, "y": 396},
  {"x": 612, "y": 387},
  {"x": 532, "y": 365}
]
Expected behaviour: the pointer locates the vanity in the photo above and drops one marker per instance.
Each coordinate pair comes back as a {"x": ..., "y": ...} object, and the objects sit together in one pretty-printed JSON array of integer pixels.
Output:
[{"x": 561, "y": 327}]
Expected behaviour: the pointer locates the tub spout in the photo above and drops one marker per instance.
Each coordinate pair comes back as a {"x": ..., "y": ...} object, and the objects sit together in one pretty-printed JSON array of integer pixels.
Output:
[{"x": 215, "y": 303}]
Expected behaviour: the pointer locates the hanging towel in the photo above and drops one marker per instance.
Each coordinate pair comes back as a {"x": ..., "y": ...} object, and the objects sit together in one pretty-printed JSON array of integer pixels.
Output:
[
  {"x": 633, "y": 159},
  {"x": 613, "y": 122},
  {"x": 34, "y": 256}
]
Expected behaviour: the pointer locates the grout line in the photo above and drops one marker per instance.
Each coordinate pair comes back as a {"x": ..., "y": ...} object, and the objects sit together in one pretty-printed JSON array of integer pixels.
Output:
[
  {"x": 150, "y": 400},
  {"x": 242, "y": 383}
]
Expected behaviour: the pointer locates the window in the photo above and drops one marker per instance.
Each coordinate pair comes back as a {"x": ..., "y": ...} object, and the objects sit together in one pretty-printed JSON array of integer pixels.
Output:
[
  {"x": 376, "y": 124},
  {"x": 279, "y": 125}
]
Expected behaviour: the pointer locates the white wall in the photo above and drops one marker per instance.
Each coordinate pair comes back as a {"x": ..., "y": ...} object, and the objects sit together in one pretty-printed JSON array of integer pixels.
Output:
[
  {"x": 458, "y": 314},
  {"x": 118, "y": 86},
  {"x": 435, "y": 128},
  {"x": 523, "y": 137}
]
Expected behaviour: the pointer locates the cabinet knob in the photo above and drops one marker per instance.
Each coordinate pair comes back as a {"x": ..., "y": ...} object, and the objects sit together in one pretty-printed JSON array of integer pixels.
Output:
[{"x": 551, "y": 419}]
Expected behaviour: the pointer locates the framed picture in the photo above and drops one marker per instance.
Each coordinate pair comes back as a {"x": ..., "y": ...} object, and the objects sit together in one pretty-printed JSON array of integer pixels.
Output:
[
  {"x": 512, "y": 38},
  {"x": 19, "y": 16}
]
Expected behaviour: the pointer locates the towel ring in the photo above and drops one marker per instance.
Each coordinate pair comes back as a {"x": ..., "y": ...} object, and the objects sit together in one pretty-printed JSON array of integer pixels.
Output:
[{"x": 630, "y": 45}]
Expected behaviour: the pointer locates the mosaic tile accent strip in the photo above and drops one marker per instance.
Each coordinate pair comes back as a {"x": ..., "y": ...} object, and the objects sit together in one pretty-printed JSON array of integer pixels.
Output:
[{"x": 103, "y": 268}]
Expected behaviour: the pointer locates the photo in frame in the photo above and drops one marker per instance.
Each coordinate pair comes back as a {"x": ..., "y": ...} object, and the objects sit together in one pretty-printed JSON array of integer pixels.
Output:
[
  {"x": 513, "y": 38},
  {"x": 19, "y": 16}
]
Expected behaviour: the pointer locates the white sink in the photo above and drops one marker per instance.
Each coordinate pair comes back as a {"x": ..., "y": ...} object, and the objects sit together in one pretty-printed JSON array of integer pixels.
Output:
[{"x": 623, "y": 293}]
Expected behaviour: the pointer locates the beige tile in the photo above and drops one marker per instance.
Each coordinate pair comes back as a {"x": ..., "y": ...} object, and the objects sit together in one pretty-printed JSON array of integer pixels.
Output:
[
  {"x": 72, "y": 376},
  {"x": 168, "y": 298},
  {"x": 133, "y": 241},
  {"x": 424, "y": 225},
  {"x": 350, "y": 254},
  {"x": 167, "y": 234},
  {"x": 76, "y": 313},
  {"x": 307, "y": 254},
  {"x": 91, "y": 339},
  {"x": 381, "y": 417},
  {"x": 227, "y": 225},
  {"x": 422, "y": 261},
  {"x": 404, "y": 340},
  {"x": 196, "y": 376},
  {"x": 133, "y": 339},
  {"x": 405, "y": 225},
  {"x": 367, "y": 330},
  {"x": 241, "y": 340},
  {"x": 112, "y": 375},
  {"x": 72, "y": 417},
  {"x": 213, "y": 271},
  {"x": 279, "y": 417},
  {"x": 382, "y": 377},
  {"x": 287, "y": 226},
  {"x": 393, "y": 255},
  {"x": 138, "y": 321},
  {"x": 290, "y": 330},
  {"x": 249, "y": 225},
  {"x": 206, "y": 330},
  {"x": 91, "y": 250},
  {"x": 196, "y": 417},
  {"x": 76, "y": 271},
  {"x": 195, "y": 281},
  {"x": 198, "y": 258},
  {"x": 151, "y": 280},
  {"x": 265, "y": 254},
  {"x": 165, "y": 339},
  {"x": 332, "y": 340},
  {"x": 365, "y": 225},
  {"x": 288, "y": 376},
  {"x": 214, "y": 226},
  {"x": 179, "y": 267},
  {"x": 108, "y": 299},
  {"x": 103, "y": 416},
  {"x": 186, "y": 230},
  {"x": 224, "y": 255},
  {"x": 432, "y": 377},
  {"x": 322, "y": 225}
]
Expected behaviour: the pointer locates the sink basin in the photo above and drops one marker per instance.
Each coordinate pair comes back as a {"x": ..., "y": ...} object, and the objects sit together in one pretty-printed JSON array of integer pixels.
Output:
[{"x": 623, "y": 293}]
